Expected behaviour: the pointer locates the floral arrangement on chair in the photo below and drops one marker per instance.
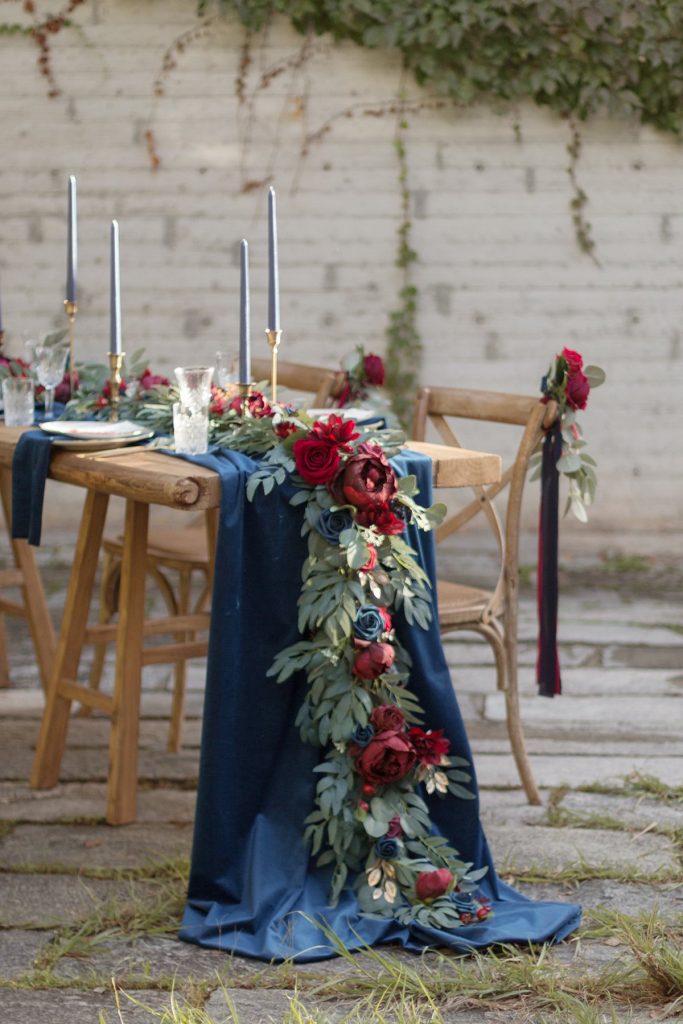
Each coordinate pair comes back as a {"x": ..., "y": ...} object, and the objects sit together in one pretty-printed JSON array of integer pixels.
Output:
[
  {"x": 363, "y": 373},
  {"x": 568, "y": 382}
]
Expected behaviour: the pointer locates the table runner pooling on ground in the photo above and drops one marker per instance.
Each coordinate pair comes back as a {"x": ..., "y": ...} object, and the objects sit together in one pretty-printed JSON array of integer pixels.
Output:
[{"x": 252, "y": 889}]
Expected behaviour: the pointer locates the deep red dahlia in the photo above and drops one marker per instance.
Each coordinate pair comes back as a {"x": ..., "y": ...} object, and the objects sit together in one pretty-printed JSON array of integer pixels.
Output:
[{"x": 430, "y": 746}]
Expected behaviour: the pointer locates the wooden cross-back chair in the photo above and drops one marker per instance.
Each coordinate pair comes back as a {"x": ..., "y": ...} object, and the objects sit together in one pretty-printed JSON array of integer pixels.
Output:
[
  {"x": 183, "y": 551},
  {"x": 492, "y": 613}
]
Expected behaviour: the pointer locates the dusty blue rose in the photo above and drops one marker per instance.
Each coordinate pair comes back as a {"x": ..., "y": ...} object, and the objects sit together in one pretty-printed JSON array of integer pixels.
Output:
[
  {"x": 362, "y": 735},
  {"x": 369, "y": 623},
  {"x": 464, "y": 903},
  {"x": 331, "y": 524},
  {"x": 386, "y": 848}
]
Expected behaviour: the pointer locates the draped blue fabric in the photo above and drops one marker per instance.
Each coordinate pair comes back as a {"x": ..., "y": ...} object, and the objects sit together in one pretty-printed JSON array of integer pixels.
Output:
[
  {"x": 30, "y": 464},
  {"x": 253, "y": 890}
]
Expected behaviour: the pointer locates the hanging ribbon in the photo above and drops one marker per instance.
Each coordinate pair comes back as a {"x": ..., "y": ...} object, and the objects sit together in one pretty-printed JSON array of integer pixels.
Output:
[{"x": 547, "y": 662}]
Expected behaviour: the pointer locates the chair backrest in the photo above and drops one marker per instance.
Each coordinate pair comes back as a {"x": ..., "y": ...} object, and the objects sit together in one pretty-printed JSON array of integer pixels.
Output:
[
  {"x": 440, "y": 405},
  {"x": 321, "y": 382}
]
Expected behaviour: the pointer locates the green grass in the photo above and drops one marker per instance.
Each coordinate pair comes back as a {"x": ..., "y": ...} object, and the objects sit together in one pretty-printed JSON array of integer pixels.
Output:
[{"x": 621, "y": 564}]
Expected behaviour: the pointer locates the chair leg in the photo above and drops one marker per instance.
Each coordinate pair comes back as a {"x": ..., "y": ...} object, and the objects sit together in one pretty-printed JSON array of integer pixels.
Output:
[
  {"x": 180, "y": 672},
  {"x": 514, "y": 723},
  {"x": 4, "y": 663},
  {"x": 111, "y": 576}
]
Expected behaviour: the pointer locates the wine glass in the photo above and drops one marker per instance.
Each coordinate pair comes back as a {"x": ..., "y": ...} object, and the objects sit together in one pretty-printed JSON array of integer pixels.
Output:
[
  {"x": 226, "y": 369},
  {"x": 48, "y": 362}
]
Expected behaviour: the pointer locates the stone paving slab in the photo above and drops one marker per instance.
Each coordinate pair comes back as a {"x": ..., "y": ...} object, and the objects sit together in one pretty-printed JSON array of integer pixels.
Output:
[
  {"x": 74, "y": 800},
  {"x": 631, "y": 898},
  {"x": 94, "y": 732},
  {"x": 73, "y": 1007},
  {"x": 157, "y": 957},
  {"x": 94, "y": 846},
  {"x": 498, "y": 770},
  {"x": 517, "y": 847},
  {"x": 90, "y": 764},
  {"x": 577, "y": 682},
  {"x": 487, "y": 739},
  {"x": 18, "y": 950},
  {"x": 47, "y": 901},
  {"x": 626, "y": 715},
  {"x": 636, "y": 814}
]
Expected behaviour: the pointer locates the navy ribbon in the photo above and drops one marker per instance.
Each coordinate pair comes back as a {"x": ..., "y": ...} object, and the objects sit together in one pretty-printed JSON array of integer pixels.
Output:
[{"x": 548, "y": 662}]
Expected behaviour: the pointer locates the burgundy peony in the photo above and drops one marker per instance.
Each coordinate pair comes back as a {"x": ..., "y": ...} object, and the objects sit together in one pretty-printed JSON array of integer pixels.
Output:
[
  {"x": 578, "y": 389},
  {"x": 336, "y": 431},
  {"x": 431, "y": 884},
  {"x": 254, "y": 405},
  {"x": 373, "y": 661},
  {"x": 430, "y": 746},
  {"x": 365, "y": 480},
  {"x": 382, "y": 518},
  {"x": 388, "y": 718},
  {"x": 387, "y": 758},
  {"x": 316, "y": 461},
  {"x": 151, "y": 380},
  {"x": 395, "y": 830},
  {"x": 374, "y": 370},
  {"x": 574, "y": 359}
]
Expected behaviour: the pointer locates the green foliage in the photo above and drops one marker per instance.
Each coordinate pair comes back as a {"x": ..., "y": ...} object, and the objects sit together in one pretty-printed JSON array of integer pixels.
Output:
[{"x": 619, "y": 56}]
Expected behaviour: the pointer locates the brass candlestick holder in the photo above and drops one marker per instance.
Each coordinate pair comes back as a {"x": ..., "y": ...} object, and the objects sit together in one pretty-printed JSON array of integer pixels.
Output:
[
  {"x": 115, "y": 363},
  {"x": 245, "y": 390},
  {"x": 71, "y": 309},
  {"x": 274, "y": 342}
]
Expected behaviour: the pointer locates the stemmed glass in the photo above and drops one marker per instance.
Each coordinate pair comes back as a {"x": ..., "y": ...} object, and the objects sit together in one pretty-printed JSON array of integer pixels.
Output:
[
  {"x": 226, "y": 369},
  {"x": 48, "y": 362}
]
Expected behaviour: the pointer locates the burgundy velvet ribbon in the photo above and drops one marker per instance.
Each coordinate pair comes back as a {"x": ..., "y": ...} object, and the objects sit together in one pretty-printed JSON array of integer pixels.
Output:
[{"x": 547, "y": 662}]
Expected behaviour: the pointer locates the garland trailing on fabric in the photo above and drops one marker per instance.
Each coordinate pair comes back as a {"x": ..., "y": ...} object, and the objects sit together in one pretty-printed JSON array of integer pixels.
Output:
[{"x": 369, "y": 817}]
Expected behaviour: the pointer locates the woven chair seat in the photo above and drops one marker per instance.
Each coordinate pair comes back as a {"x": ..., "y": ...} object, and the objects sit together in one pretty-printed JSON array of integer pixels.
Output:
[
  {"x": 187, "y": 544},
  {"x": 459, "y": 604}
]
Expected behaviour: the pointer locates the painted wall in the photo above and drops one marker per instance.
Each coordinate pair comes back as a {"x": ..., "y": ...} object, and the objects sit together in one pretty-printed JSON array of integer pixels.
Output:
[{"x": 503, "y": 284}]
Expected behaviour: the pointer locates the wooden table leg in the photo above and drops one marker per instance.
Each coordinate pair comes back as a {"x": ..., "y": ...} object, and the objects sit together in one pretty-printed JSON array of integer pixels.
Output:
[
  {"x": 52, "y": 736},
  {"x": 37, "y": 614},
  {"x": 123, "y": 746}
]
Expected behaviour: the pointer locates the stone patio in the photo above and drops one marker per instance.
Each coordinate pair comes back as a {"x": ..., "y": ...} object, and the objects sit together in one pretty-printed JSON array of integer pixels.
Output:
[{"x": 604, "y": 837}]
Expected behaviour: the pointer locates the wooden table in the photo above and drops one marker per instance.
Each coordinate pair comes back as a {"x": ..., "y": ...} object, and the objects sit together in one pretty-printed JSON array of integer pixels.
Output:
[{"x": 144, "y": 478}]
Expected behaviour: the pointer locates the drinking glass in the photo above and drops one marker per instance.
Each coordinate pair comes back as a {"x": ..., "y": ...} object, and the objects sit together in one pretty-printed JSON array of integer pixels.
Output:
[
  {"x": 18, "y": 399},
  {"x": 195, "y": 385},
  {"x": 227, "y": 368},
  {"x": 190, "y": 428},
  {"x": 48, "y": 362}
]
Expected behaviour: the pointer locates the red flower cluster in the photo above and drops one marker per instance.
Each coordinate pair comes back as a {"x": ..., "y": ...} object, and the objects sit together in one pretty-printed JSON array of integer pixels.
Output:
[
  {"x": 368, "y": 372},
  {"x": 148, "y": 380},
  {"x": 578, "y": 387},
  {"x": 317, "y": 456},
  {"x": 373, "y": 659},
  {"x": 254, "y": 405},
  {"x": 430, "y": 746},
  {"x": 389, "y": 755},
  {"x": 431, "y": 884},
  {"x": 367, "y": 481}
]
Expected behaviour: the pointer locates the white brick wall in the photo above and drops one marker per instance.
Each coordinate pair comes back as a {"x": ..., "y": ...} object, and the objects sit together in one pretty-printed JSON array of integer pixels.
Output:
[{"x": 502, "y": 282}]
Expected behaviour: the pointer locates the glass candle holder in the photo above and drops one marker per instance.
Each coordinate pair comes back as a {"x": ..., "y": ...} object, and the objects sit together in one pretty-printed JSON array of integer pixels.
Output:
[
  {"x": 195, "y": 385},
  {"x": 18, "y": 399},
  {"x": 190, "y": 428}
]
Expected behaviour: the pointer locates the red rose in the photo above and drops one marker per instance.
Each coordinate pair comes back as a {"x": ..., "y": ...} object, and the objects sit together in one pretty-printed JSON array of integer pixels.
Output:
[
  {"x": 431, "y": 884},
  {"x": 430, "y": 746},
  {"x": 316, "y": 461},
  {"x": 254, "y": 405},
  {"x": 574, "y": 359},
  {"x": 150, "y": 380},
  {"x": 336, "y": 431},
  {"x": 386, "y": 617},
  {"x": 578, "y": 389},
  {"x": 387, "y": 758},
  {"x": 374, "y": 370},
  {"x": 371, "y": 562},
  {"x": 373, "y": 661},
  {"x": 285, "y": 428},
  {"x": 366, "y": 479},
  {"x": 382, "y": 518},
  {"x": 388, "y": 718}
]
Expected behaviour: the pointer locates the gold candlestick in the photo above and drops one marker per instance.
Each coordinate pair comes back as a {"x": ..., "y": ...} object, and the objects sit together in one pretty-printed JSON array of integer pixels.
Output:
[
  {"x": 71, "y": 309},
  {"x": 115, "y": 362},
  {"x": 245, "y": 390},
  {"x": 274, "y": 342}
]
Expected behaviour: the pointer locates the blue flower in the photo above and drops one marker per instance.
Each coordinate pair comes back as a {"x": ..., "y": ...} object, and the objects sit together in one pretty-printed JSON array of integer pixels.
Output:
[
  {"x": 387, "y": 849},
  {"x": 369, "y": 623},
  {"x": 464, "y": 902},
  {"x": 362, "y": 735},
  {"x": 331, "y": 524}
]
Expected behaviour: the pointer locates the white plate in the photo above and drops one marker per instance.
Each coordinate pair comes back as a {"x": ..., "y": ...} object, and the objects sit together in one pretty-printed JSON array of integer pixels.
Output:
[
  {"x": 93, "y": 430},
  {"x": 349, "y": 413}
]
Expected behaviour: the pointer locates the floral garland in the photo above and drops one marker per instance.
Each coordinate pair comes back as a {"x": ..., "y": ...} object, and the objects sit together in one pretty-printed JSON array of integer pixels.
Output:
[
  {"x": 568, "y": 382},
  {"x": 370, "y": 817},
  {"x": 362, "y": 374}
]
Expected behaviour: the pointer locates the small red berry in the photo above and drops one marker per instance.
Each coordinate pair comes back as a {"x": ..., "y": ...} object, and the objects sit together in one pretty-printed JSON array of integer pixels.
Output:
[
  {"x": 482, "y": 913},
  {"x": 368, "y": 789},
  {"x": 465, "y": 918},
  {"x": 363, "y": 806}
]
